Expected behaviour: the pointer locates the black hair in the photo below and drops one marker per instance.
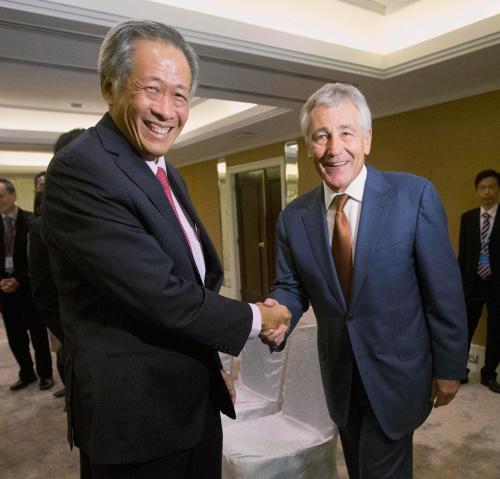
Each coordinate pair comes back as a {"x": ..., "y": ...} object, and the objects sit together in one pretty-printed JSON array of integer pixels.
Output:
[
  {"x": 487, "y": 174},
  {"x": 66, "y": 138}
]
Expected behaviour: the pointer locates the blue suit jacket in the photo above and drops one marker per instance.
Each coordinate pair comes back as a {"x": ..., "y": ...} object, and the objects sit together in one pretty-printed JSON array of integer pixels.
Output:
[{"x": 406, "y": 321}]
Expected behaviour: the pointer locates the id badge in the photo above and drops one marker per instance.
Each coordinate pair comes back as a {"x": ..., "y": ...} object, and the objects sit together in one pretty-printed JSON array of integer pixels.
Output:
[
  {"x": 9, "y": 264},
  {"x": 484, "y": 258}
]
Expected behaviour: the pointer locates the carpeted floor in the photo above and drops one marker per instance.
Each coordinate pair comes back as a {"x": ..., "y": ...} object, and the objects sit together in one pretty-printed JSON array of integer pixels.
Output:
[
  {"x": 458, "y": 441},
  {"x": 32, "y": 427}
]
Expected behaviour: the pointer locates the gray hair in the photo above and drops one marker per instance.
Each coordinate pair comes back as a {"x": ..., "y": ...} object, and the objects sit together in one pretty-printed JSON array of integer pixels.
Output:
[
  {"x": 117, "y": 50},
  {"x": 333, "y": 94}
]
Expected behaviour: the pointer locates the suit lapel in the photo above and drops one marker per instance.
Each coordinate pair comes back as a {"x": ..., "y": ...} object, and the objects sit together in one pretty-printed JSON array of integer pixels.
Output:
[
  {"x": 377, "y": 199},
  {"x": 495, "y": 231},
  {"x": 476, "y": 228},
  {"x": 213, "y": 275},
  {"x": 2, "y": 248},
  {"x": 136, "y": 169},
  {"x": 20, "y": 230},
  {"x": 314, "y": 219}
]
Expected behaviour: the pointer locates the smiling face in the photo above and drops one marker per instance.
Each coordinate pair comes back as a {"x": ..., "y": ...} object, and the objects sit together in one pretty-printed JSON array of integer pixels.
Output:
[
  {"x": 152, "y": 105},
  {"x": 338, "y": 144}
]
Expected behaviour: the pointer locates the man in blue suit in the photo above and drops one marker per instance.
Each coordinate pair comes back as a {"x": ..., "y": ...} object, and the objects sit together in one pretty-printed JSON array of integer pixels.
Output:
[{"x": 386, "y": 291}]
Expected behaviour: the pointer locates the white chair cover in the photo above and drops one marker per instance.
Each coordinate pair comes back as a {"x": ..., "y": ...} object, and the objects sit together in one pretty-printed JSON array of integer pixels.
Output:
[
  {"x": 300, "y": 441},
  {"x": 258, "y": 388},
  {"x": 227, "y": 362}
]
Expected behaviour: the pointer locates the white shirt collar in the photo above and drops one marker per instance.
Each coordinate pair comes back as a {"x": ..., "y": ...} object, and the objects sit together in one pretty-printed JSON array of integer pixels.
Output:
[
  {"x": 12, "y": 214},
  {"x": 355, "y": 190},
  {"x": 492, "y": 212},
  {"x": 155, "y": 164}
]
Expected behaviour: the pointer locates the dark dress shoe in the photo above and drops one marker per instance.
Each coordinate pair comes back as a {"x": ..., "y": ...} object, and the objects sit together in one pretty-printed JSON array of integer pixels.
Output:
[
  {"x": 46, "y": 383},
  {"x": 491, "y": 384},
  {"x": 22, "y": 383},
  {"x": 60, "y": 393}
]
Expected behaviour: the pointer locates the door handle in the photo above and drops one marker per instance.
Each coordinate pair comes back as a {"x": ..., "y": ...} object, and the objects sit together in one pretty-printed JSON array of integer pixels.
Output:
[{"x": 262, "y": 244}]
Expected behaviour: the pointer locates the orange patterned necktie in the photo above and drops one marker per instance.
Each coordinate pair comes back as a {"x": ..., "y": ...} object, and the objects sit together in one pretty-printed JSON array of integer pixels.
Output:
[{"x": 342, "y": 246}]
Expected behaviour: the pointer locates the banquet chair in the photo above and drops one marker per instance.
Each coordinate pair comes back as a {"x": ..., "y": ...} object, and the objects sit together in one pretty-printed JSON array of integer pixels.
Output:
[
  {"x": 259, "y": 383},
  {"x": 297, "y": 442}
]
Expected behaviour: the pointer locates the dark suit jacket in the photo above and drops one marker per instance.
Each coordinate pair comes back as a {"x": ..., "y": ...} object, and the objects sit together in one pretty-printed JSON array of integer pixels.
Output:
[
  {"x": 21, "y": 268},
  {"x": 406, "y": 320},
  {"x": 469, "y": 248},
  {"x": 141, "y": 331},
  {"x": 43, "y": 289}
]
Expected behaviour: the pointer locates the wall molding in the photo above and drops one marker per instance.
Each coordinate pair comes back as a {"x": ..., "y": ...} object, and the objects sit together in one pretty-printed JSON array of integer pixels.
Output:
[{"x": 335, "y": 57}]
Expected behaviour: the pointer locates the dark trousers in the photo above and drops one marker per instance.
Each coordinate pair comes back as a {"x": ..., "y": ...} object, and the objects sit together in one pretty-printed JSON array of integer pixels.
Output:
[
  {"x": 483, "y": 293},
  {"x": 201, "y": 461},
  {"x": 368, "y": 452},
  {"x": 60, "y": 364},
  {"x": 20, "y": 318}
]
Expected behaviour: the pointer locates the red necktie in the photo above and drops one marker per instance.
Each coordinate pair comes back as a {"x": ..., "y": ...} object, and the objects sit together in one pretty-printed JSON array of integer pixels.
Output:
[
  {"x": 161, "y": 174},
  {"x": 342, "y": 246}
]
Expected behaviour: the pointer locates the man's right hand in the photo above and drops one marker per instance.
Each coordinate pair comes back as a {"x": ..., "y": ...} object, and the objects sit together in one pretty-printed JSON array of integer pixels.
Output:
[
  {"x": 273, "y": 337},
  {"x": 273, "y": 317}
]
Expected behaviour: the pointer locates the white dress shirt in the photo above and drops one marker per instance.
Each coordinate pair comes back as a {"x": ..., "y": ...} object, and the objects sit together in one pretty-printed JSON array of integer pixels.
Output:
[
  {"x": 196, "y": 246},
  {"x": 188, "y": 226},
  {"x": 352, "y": 208}
]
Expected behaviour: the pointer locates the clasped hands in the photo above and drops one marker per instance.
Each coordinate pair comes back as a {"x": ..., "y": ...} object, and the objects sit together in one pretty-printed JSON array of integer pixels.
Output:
[
  {"x": 275, "y": 322},
  {"x": 9, "y": 285}
]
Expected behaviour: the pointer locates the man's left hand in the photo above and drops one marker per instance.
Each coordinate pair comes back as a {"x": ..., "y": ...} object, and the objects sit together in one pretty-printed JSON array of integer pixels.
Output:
[
  {"x": 443, "y": 391},
  {"x": 229, "y": 384}
]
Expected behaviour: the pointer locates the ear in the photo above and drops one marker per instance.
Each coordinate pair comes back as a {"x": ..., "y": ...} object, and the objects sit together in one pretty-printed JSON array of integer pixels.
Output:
[
  {"x": 367, "y": 142},
  {"x": 107, "y": 90}
]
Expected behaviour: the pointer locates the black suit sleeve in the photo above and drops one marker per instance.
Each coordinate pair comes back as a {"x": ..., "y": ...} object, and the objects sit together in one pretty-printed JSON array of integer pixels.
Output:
[
  {"x": 43, "y": 288},
  {"x": 111, "y": 235}
]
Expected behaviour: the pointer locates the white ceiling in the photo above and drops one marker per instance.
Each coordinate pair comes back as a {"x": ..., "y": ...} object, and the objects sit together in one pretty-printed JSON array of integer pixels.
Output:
[
  {"x": 382, "y": 7},
  {"x": 403, "y": 54}
]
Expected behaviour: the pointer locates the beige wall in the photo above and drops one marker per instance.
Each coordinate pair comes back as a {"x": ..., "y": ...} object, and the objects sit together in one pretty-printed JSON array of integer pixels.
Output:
[
  {"x": 447, "y": 143},
  {"x": 202, "y": 181}
]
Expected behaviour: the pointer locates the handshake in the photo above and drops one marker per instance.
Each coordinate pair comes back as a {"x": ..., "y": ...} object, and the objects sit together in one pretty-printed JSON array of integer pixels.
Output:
[{"x": 275, "y": 322}]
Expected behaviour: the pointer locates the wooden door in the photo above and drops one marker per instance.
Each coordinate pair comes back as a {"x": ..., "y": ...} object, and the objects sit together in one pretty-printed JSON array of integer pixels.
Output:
[{"x": 258, "y": 202}]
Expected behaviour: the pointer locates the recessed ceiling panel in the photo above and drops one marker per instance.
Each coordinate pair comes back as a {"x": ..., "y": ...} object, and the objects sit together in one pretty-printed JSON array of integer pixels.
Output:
[{"x": 384, "y": 7}]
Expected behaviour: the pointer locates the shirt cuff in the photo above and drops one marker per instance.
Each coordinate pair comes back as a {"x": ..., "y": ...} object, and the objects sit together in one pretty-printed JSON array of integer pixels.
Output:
[{"x": 256, "y": 321}]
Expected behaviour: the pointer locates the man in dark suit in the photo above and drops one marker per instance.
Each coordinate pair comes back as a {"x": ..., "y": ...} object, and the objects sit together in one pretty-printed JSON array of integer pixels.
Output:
[
  {"x": 42, "y": 284},
  {"x": 138, "y": 276},
  {"x": 370, "y": 251},
  {"x": 479, "y": 259},
  {"x": 15, "y": 294}
]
